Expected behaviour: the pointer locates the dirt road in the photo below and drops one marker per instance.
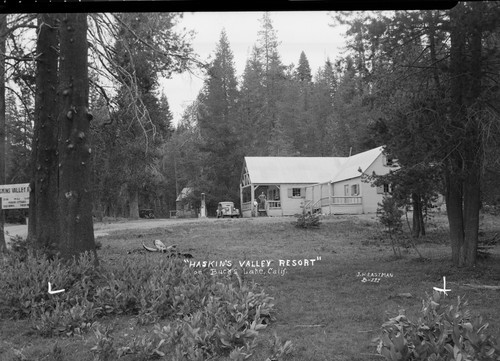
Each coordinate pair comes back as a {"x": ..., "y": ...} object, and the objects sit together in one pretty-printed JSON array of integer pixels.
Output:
[{"x": 105, "y": 228}]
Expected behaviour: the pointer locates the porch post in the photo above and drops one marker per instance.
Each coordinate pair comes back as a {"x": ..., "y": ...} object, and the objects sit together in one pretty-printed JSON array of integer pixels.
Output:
[
  {"x": 362, "y": 200},
  {"x": 252, "y": 198},
  {"x": 241, "y": 199},
  {"x": 279, "y": 193},
  {"x": 330, "y": 199},
  {"x": 313, "y": 200}
]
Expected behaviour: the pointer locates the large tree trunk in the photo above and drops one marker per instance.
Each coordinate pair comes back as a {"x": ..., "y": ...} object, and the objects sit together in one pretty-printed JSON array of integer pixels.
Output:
[
  {"x": 43, "y": 226},
  {"x": 75, "y": 203},
  {"x": 3, "y": 34},
  {"x": 417, "y": 215},
  {"x": 453, "y": 199},
  {"x": 454, "y": 175},
  {"x": 133, "y": 202},
  {"x": 464, "y": 173},
  {"x": 472, "y": 205},
  {"x": 474, "y": 151}
]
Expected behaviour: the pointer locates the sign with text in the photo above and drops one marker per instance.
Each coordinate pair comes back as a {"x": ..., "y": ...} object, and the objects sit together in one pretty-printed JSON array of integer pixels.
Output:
[{"x": 15, "y": 195}]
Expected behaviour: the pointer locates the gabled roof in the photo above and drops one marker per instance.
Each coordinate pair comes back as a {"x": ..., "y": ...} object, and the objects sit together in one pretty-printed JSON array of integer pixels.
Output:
[
  {"x": 184, "y": 193},
  {"x": 350, "y": 169},
  {"x": 313, "y": 170},
  {"x": 292, "y": 169}
]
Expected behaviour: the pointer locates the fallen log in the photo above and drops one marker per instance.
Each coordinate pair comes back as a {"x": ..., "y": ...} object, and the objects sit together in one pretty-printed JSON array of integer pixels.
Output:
[{"x": 485, "y": 287}]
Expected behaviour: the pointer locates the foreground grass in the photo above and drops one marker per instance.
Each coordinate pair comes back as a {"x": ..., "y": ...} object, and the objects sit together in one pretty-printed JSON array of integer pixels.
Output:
[{"x": 325, "y": 310}]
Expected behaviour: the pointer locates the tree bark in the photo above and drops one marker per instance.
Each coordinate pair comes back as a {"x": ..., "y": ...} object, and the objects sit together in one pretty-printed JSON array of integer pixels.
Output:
[
  {"x": 133, "y": 202},
  {"x": 455, "y": 166},
  {"x": 453, "y": 199},
  {"x": 474, "y": 151},
  {"x": 422, "y": 222},
  {"x": 472, "y": 205},
  {"x": 43, "y": 214},
  {"x": 464, "y": 173},
  {"x": 75, "y": 204},
  {"x": 417, "y": 212},
  {"x": 418, "y": 228},
  {"x": 3, "y": 34}
]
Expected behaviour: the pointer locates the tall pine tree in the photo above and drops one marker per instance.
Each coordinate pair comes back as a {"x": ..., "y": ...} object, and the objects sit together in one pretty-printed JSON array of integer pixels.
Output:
[
  {"x": 252, "y": 119},
  {"x": 218, "y": 126},
  {"x": 273, "y": 78}
]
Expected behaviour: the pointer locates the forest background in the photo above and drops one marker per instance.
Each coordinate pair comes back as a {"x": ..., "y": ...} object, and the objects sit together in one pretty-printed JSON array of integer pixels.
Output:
[{"x": 424, "y": 83}]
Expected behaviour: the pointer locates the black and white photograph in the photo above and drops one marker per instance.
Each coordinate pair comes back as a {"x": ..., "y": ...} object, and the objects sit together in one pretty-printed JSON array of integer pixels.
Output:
[{"x": 291, "y": 182}]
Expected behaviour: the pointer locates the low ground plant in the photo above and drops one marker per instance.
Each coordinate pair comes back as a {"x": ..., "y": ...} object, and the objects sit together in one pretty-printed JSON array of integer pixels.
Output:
[
  {"x": 197, "y": 316},
  {"x": 441, "y": 333},
  {"x": 104, "y": 348},
  {"x": 24, "y": 283}
]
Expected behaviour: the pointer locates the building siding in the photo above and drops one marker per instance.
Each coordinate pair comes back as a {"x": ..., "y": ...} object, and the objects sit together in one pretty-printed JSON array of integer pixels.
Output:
[
  {"x": 363, "y": 198},
  {"x": 370, "y": 196},
  {"x": 347, "y": 209},
  {"x": 291, "y": 206}
]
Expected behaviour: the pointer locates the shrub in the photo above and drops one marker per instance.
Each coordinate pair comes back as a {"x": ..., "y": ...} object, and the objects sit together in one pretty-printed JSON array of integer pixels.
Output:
[
  {"x": 390, "y": 215},
  {"x": 494, "y": 209},
  {"x": 19, "y": 246},
  {"x": 451, "y": 333},
  {"x": 307, "y": 220}
]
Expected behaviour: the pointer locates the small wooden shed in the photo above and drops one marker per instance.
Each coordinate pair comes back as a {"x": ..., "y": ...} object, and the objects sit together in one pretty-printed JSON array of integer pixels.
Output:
[{"x": 184, "y": 206}]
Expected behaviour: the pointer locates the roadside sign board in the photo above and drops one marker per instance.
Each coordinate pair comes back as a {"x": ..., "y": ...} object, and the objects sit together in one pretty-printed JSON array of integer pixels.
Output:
[{"x": 15, "y": 196}]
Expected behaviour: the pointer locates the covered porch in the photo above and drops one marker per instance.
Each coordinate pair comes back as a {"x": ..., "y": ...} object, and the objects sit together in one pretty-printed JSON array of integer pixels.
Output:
[
  {"x": 320, "y": 198},
  {"x": 252, "y": 204}
]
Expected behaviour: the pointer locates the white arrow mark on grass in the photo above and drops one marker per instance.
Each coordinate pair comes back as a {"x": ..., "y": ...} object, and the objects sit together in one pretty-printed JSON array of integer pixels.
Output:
[
  {"x": 52, "y": 292},
  {"x": 444, "y": 290}
]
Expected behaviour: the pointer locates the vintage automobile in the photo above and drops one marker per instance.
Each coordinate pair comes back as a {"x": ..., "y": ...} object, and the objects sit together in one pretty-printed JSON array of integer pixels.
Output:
[
  {"x": 226, "y": 209},
  {"x": 146, "y": 213}
]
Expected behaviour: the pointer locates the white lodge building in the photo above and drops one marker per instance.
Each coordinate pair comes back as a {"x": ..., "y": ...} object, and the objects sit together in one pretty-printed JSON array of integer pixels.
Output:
[{"x": 330, "y": 185}]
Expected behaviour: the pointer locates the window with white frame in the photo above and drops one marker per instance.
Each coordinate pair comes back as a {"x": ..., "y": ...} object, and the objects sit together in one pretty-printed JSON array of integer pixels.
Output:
[
  {"x": 296, "y": 192},
  {"x": 346, "y": 190},
  {"x": 355, "y": 190}
]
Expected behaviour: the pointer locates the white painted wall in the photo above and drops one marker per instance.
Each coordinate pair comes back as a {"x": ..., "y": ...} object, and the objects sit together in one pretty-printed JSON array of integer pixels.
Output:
[
  {"x": 338, "y": 191},
  {"x": 291, "y": 206},
  {"x": 338, "y": 188},
  {"x": 370, "y": 196}
]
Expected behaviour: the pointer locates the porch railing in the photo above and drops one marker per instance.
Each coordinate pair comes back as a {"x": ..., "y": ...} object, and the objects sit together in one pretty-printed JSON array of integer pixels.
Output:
[
  {"x": 246, "y": 206},
  {"x": 274, "y": 204},
  {"x": 347, "y": 200}
]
